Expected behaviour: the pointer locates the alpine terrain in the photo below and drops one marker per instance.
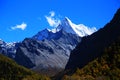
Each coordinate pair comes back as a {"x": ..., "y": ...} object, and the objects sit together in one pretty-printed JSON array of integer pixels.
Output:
[{"x": 48, "y": 51}]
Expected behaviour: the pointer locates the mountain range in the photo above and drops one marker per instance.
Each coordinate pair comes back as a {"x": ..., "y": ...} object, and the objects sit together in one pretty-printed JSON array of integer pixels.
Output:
[
  {"x": 48, "y": 51},
  {"x": 83, "y": 55}
]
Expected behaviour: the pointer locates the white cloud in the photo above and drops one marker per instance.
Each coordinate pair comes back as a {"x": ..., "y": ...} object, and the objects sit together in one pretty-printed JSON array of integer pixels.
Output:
[
  {"x": 53, "y": 22},
  {"x": 21, "y": 26},
  {"x": 52, "y": 13}
]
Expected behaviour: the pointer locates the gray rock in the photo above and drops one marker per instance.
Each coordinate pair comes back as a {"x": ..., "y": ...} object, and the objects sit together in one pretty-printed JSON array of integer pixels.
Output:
[{"x": 47, "y": 55}]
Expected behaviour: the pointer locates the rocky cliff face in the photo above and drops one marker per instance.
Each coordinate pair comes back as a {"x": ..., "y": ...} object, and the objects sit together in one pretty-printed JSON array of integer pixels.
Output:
[{"x": 47, "y": 55}]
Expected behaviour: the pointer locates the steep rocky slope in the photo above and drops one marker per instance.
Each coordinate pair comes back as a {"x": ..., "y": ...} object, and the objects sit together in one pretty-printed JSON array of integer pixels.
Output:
[{"x": 47, "y": 55}]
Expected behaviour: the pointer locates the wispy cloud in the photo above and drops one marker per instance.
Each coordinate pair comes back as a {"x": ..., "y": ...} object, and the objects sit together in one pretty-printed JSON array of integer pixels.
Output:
[
  {"x": 52, "y": 13},
  {"x": 52, "y": 20},
  {"x": 21, "y": 26}
]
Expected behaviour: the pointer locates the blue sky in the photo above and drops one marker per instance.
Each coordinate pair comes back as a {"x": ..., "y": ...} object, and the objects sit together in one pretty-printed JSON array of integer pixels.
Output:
[{"x": 24, "y": 18}]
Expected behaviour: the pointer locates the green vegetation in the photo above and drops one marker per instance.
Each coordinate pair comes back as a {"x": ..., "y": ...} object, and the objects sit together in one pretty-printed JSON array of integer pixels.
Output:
[
  {"x": 105, "y": 67},
  {"x": 9, "y": 70}
]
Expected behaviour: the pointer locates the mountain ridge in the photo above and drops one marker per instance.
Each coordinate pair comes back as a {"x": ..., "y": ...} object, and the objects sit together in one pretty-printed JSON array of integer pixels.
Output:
[
  {"x": 48, "y": 50},
  {"x": 69, "y": 27}
]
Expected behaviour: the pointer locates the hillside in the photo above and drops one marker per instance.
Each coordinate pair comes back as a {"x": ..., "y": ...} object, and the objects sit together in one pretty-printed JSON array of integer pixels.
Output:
[
  {"x": 9, "y": 70},
  {"x": 105, "y": 67}
]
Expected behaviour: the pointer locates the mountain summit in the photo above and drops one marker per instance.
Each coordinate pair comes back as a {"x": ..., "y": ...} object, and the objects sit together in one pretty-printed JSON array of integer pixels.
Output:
[{"x": 80, "y": 29}]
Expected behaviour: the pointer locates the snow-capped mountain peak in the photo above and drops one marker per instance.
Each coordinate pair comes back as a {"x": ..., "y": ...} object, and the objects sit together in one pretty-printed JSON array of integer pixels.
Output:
[
  {"x": 80, "y": 29},
  {"x": 66, "y": 26}
]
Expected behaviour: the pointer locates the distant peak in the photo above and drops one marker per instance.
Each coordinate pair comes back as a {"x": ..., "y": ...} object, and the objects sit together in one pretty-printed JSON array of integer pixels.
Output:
[
  {"x": 65, "y": 22},
  {"x": 81, "y": 30}
]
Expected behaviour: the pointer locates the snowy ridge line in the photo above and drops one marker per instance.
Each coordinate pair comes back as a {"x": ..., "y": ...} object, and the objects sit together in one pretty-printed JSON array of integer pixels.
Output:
[{"x": 69, "y": 27}]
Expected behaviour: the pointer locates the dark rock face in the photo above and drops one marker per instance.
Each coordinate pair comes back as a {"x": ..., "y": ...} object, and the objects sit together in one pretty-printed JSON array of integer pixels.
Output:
[
  {"x": 91, "y": 46},
  {"x": 22, "y": 59},
  {"x": 47, "y": 55}
]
